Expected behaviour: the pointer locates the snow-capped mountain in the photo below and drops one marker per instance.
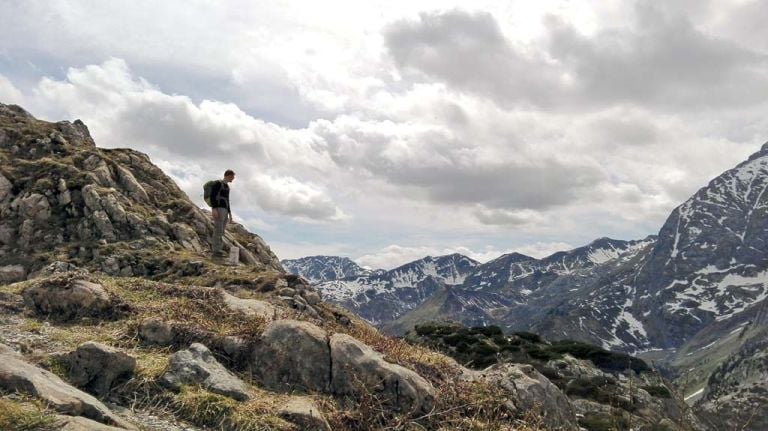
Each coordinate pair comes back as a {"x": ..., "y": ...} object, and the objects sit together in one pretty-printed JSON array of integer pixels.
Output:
[
  {"x": 383, "y": 296},
  {"x": 317, "y": 269},
  {"x": 708, "y": 264}
]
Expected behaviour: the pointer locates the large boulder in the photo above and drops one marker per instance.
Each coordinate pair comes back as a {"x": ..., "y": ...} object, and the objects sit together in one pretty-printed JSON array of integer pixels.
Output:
[
  {"x": 529, "y": 390},
  {"x": 95, "y": 367},
  {"x": 12, "y": 273},
  {"x": 293, "y": 355},
  {"x": 67, "y": 299},
  {"x": 358, "y": 369},
  {"x": 5, "y": 188},
  {"x": 197, "y": 365},
  {"x": 16, "y": 375}
]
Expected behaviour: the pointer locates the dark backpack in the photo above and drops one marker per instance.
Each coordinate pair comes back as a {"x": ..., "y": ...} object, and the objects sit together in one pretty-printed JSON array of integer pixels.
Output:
[{"x": 207, "y": 191}]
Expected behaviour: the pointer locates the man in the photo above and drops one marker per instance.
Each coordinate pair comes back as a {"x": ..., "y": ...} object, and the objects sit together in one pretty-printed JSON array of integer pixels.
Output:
[{"x": 221, "y": 210}]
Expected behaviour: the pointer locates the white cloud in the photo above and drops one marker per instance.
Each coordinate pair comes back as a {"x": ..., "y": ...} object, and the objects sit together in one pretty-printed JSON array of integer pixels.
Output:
[{"x": 9, "y": 94}]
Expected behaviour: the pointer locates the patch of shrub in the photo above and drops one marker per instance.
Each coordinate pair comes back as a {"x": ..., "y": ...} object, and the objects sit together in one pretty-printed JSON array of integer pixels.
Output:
[
  {"x": 604, "y": 359},
  {"x": 658, "y": 391},
  {"x": 530, "y": 337}
]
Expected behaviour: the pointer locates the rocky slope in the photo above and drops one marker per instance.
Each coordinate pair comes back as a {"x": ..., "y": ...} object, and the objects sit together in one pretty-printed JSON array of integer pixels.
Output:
[{"x": 112, "y": 317}]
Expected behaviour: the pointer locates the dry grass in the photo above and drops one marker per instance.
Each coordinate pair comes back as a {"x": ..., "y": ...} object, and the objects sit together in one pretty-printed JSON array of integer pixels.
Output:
[{"x": 24, "y": 415}]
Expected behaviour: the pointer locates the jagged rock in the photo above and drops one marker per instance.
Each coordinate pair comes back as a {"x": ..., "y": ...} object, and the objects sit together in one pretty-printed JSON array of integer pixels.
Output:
[
  {"x": 95, "y": 367},
  {"x": 12, "y": 273},
  {"x": 293, "y": 355},
  {"x": 312, "y": 297},
  {"x": 79, "y": 423},
  {"x": 98, "y": 170},
  {"x": 103, "y": 224},
  {"x": 304, "y": 413},
  {"x": 16, "y": 375},
  {"x": 5, "y": 188},
  {"x": 357, "y": 369},
  {"x": 252, "y": 307},
  {"x": 68, "y": 299},
  {"x": 113, "y": 208},
  {"x": 155, "y": 331},
  {"x": 11, "y": 302},
  {"x": 35, "y": 206},
  {"x": 91, "y": 198},
  {"x": 530, "y": 389},
  {"x": 26, "y": 233},
  {"x": 6, "y": 235},
  {"x": 128, "y": 181},
  {"x": 197, "y": 365}
]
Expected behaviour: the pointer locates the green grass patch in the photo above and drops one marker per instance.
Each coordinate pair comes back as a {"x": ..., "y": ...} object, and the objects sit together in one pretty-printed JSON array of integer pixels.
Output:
[{"x": 16, "y": 415}]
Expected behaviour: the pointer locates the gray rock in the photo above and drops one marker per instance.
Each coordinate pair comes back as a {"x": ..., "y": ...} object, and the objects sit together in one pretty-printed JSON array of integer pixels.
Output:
[
  {"x": 68, "y": 299},
  {"x": 155, "y": 331},
  {"x": 6, "y": 234},
  {"x": 16, "y": 375},
  {"x": 304, "y": 413},
  {"x": 60, "y": 267},
  {"x": 293, "y": 355},
  {"x": 103, "y": 224},
  {"x": 5, "y": 187},
  {"x": 358, "y": 369},
  {"x": 198, "y": 366},
  {"x": 113, "y": 208},
  {"x": 251, "y": 307},
  {"x": 286, "y": 291},
  {"x": 12, "y": 273},
  {"x": 129, "y": 183},
  {"x": 78, "y": 423},
  {"x": 95, "y": 367},
  {"x": 35, "y": 206},
  {"x": 530, "y": 389},
  {"x": 312, "y": 297},
  {"x": 91, "y": 198}
]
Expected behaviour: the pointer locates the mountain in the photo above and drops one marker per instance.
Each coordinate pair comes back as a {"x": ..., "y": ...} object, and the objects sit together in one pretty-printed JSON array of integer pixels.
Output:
[
  {"x": 317, "y": 269},
  {"x": 385, "y": 295}
]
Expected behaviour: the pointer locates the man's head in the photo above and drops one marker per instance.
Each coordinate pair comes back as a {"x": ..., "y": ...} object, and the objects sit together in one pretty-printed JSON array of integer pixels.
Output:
[{"x": 229, "y": 175}]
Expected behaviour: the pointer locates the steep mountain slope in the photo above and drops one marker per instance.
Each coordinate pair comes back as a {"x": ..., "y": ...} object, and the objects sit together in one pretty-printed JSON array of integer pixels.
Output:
[
  {"x": 317, "y": 269},
  {"x": 384, "y": 296}
]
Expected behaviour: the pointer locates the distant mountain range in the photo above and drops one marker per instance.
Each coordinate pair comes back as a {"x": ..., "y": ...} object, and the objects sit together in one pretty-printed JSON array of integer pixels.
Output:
[{"x": 703, "y": 278}]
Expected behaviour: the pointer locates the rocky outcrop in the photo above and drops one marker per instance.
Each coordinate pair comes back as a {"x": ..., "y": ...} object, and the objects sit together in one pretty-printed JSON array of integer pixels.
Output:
[
  {"x": 105, "y": 209},
  {"x": 530, "y": 390},
  {"x": 197, "y": 365},
  {"x": 16, "y": 375},
  {"x": 294, "y": 355},
  {"x": 68, "y": 299},
  {"x": 96, "y": 367},
  {"x": 357, "y": 369}
]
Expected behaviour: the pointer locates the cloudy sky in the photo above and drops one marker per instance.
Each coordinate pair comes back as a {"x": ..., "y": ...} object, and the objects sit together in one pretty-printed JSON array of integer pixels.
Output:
[{"x": 389, "y": 130}]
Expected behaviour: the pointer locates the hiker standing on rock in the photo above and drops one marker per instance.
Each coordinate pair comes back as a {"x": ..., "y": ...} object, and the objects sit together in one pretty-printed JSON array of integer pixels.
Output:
[{"x": 216, "y": 194}]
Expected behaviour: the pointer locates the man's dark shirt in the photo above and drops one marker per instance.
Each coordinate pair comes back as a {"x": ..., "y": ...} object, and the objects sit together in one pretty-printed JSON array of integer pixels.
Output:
[{"x": 220, "y": 195}]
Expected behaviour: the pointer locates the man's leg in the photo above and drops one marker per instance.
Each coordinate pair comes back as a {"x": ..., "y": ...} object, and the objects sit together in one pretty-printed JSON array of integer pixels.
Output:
[{"x": 218, "y": 229}]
